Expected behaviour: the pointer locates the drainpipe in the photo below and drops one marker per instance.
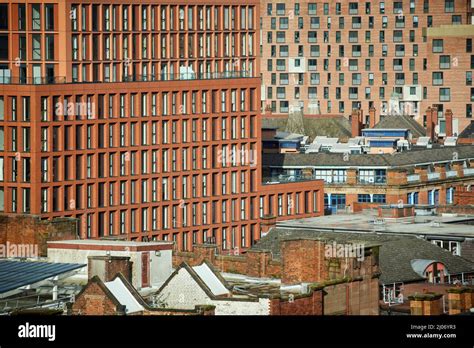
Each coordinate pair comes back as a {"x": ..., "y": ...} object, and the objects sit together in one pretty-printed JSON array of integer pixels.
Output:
[{"x": 347, "y": 300}]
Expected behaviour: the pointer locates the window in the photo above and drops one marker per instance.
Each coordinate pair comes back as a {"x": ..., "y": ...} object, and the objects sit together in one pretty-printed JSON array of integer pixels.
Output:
[
  {"x": 448, "y": 6},
  {"x": 363, "y": 198},
  {"x": 437, "y": 78},
  {"x": 444, "y": 62},
  {"x": 444, "y": 94},
  {"x": 437, "y": 46},
  {"x": 378, "y": 198},
  {"x": 49, "y": 16},
  {"x": 36, "y": 17}
]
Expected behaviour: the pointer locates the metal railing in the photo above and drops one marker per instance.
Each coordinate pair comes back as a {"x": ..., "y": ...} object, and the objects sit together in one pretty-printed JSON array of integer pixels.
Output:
[
  {"x": 468, "y": 171},
  {"x": 434, "y": 176},
  {"x": 35, "y": 301},
  {"x": 451, "y": 173},
  {"x": 413, "y": 178},
  {"x": 15, "y": 80},
  {"x": 458, "y": 278},
  {"x": 283, "y": 178}
]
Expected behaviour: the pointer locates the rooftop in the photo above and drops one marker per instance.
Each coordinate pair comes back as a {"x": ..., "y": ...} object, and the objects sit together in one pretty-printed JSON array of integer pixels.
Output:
[
  {"x": 103, "y": 242},
  {"x": 395, "y": 257},
  {"x": 338, "y": 127},
  {"x": 401, "y": 122},
  {"x": 468, "y": 132},
  {"x": 368, "y": 222},
  {"x": 17, "y": 274},
  {"x": 417, "y": 156}
]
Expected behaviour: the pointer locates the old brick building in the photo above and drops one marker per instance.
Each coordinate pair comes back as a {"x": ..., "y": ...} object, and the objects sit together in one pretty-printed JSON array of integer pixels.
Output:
[
  {"x": 420, "y": 177},
  {"x": 277, "y": 267},
  {"x": 399, "y": 56},
  {"x": 27, "y": 229},
  {"x": 140, "y": 120}
]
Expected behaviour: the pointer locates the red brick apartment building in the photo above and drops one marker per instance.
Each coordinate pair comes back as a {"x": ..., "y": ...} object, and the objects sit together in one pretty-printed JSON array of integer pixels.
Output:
[
  {"x": 330, "y": 57},
  {"x": 139, "y": 119}
]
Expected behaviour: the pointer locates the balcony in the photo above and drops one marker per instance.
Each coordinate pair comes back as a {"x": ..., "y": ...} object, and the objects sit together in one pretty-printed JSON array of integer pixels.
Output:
[
  {"x": 372, "y": 180},
  {"x": 451, "y": 174},
  {"x": 283, "y": 178},
  {"x": 413, "y": 178},
  {"x": 468, "y": 171},
  {"x": 130, "y": 78},
  {"x": 434, "y": 176}
]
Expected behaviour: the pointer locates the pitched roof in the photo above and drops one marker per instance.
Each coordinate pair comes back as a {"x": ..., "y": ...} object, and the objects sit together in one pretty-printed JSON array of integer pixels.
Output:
[
  {"x": 396, "y": 252},
  {"x": 468, "y": 132},
  {"x": 206, "y": 276},
  {"x": 122, "y": 293},
  {"x": 314, "y": 126},
  {"x": 397, "y": 159},
  {"x": 401, "y": 122}
]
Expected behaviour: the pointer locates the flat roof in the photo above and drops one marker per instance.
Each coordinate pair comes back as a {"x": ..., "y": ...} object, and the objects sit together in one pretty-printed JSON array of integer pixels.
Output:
[
  {"x": 436, "y": 226},
  {"x": 117, "y": 245}
]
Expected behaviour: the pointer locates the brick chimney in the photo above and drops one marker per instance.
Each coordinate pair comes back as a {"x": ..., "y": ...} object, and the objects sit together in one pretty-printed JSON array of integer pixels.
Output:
[
  {"x": 460, "y": 299},
  {"x": 107, "y": 267},
  {"x": 268, "y": 110},
  {"x": 426, "y": 304},
  {"x": 434, "y": 119},
  {"x": 303, "y": 261},
  {"x": 429, "y": 123},
  {"x": 449, "y": 122},
  {"x": 267, "y": 222},
  {"x": 356, "y": 121},
  {"x": 372, "y": 117}
]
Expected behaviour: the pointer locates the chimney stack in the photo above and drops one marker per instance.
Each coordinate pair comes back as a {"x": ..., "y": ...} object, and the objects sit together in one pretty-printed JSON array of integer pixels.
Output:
[
  {"x": 449, "y": 122},
  {"x": 429, "y": 123},
  {"x": 372, "y": 117},
  {"x": 356, "y": 121},
  {"x": 434, "y": 119}
]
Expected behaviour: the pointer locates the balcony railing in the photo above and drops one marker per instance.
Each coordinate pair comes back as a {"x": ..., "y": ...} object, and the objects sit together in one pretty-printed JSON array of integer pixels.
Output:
[
  {"x": 15, "y": 80},
  {"x": 373, "y": 180},
  {"x": 451, "y": 174},
  {"x": 434, "y": 176},
  {"x": 468, "y": 171},
  {"x": 282, "y": 178},
  {"x": 413, "y": 178}
]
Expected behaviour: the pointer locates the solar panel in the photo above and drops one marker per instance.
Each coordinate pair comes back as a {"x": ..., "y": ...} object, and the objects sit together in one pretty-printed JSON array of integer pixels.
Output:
[{"x": 15, "y": 274}]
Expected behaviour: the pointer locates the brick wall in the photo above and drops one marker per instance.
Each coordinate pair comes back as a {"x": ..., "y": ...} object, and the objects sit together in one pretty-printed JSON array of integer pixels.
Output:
[
  {"x": 311, "y": 304},
  {"x": 303, "y": 261},
  {"x": 29, "y": 229},
  {"x": 94, "y": 300},
  {"x": 462, "y": 196},
  {"x": 350, "y": 288},
  {"x": 107, "y": 267},
  {"x": 253, "y": 263},
  {"x": 426, "y": 304},
  {"x": 460, "y": 299}
]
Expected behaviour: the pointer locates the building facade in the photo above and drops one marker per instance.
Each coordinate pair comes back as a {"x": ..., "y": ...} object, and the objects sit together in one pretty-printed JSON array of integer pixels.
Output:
[
  {"x": 398, "y": 56},
  {"x": 140, "y": 120},
  {"x": 419, "y": 177}
]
